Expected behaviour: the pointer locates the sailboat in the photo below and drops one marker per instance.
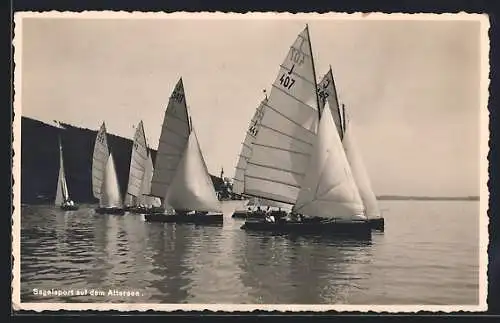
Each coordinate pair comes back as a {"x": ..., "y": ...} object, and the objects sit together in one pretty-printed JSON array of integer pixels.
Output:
[
  {"x": 259, "y": 206},
  {"x": 180, "y": 174},
  {"x": 297, "y": 159},
  {"x": 139, "y": 175},
  {"x": 104, "y": 178},
  {"x": 327, "y": 91},
  {"x": 138, "y": 159},
  {"x": 246, "y": 150},
  {"x": 63, "y": 199}
]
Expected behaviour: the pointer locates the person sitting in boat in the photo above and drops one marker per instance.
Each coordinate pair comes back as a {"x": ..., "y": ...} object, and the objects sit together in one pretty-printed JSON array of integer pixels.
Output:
[{"x": 270, "y": 218}]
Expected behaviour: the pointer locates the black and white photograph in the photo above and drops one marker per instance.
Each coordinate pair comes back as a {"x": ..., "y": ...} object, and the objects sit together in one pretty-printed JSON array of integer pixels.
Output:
[{"x": 274, "y": 161}]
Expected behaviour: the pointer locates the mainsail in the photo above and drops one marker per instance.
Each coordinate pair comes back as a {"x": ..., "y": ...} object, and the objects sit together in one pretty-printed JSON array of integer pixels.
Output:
[
  {"x": 329, "y": 189},
  {"x": 283, "y": 143},
  {"x": 172, "y": 144},
  {"x": 62, "y": 193},
  {"x": 99, "y": 160},
  {"x": 246, "y": 150},
  {"x": 328, "y": 93},
  {"x": 138, "y": 161},
  {"x": 110, "y": 190},
  {"x": 192, "y": 187}
]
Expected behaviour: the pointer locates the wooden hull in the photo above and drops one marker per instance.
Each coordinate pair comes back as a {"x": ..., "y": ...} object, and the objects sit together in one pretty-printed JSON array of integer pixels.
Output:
[
  {"x": 69, "y": 207},
  {"x": 110, "y": 210},
  {"x": 197, "y": 218},
  {"x": 377, "y": 224},
  {"x": 354, "y": 229}
]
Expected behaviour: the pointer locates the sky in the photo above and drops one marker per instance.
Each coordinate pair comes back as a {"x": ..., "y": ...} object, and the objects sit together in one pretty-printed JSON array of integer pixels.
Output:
[{"x": 412, "y": 87}]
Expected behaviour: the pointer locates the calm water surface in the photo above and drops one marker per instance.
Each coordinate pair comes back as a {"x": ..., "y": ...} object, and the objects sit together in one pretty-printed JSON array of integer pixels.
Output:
[{"x": 428, "y": 255}]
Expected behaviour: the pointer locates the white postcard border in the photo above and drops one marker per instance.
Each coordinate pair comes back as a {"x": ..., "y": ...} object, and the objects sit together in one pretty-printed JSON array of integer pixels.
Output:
[{"x": 484, "y": 150}]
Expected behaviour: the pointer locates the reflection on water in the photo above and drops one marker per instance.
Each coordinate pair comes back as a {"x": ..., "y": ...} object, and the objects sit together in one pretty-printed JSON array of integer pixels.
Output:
[{"x": 428, "y": 255}]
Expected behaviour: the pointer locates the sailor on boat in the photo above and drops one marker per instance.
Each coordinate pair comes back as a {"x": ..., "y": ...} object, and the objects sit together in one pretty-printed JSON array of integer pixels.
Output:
[{"x": 68, "y": 203}]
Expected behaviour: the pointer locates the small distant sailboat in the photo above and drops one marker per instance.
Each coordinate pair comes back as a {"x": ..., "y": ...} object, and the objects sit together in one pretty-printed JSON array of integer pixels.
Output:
[
  {"x": 328, "y": 92},
  {"x": 138, "y": 159},
  {"x": 180, "y": 173},
  {"x": 296, "y": 157},
  {"x": 104, "y": 178},
  {"x": 139, "y": 180},
  {"x": 63, "y": 199}
]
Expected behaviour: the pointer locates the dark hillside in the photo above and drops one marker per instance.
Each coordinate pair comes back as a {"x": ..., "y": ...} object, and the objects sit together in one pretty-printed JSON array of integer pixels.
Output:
[{"x": 40, "y": 161}]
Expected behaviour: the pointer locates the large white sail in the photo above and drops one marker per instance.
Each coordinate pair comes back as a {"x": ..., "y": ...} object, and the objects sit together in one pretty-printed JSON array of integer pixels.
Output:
[
  {"x": 110, "y": 190},
  {"x": 192, "y": 187},
  {"x": 172, "y": 144},
  {"x": 329, "y": 189},
  {"x": 99, "y": 160},
  {"x": 328, "y": 92},
  {"x": 138, "y": 161},
  {"x": 283, "y": 143},
  {"x": 246, "y": 150},
  {"x": 359, "y": 170},
  {"x": 144, "y": 198},
  {"x": 62, "y": 193}
]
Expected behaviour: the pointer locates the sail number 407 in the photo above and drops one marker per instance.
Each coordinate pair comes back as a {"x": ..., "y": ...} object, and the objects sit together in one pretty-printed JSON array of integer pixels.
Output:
[{"x": 287, "y": 81}]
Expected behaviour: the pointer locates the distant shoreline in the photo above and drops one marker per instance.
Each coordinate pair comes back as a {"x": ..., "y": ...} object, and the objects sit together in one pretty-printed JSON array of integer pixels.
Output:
[{"x": 426, "y": 198}]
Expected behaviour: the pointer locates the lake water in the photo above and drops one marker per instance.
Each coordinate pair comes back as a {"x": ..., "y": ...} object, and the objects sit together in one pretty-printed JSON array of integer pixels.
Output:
[{"x": 428, "y": 254}]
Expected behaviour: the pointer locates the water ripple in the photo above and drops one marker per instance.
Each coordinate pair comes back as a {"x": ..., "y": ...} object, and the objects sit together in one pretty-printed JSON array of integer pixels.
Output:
[{"x": 168, "y": 263}]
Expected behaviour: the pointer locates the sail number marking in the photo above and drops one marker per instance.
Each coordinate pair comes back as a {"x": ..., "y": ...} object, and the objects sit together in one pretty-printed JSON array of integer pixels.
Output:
[
  {"x": 297, "y": 56},
  {"x": 286, "y": 80},
  {"x": 177, "y": 97},
  {"x": 323, "y": 94},
  {"x": 254, "y": 129},
  {"x": 100, "y": 138}
]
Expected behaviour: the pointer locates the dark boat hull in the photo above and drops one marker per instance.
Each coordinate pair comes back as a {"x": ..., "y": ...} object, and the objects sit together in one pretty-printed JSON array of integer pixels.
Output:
[
  {"x": 240, "y": 215},
  {"x": 112, "y": 211},
  {"x": 377, "y": 224},
  {"x": 69, "y": 207},
  {"x": 197, "y": 218},
  {"x": 143, "y": 210},
  {"x": 357, "y": 229},
  {"x": 249, "y": 215}
]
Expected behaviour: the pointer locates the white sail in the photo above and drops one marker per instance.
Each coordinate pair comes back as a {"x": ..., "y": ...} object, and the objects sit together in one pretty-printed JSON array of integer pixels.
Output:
[
  {"x": 138, "y": 161},
  {"x": 99, "y": 160},
  {"x": 172, "y": 144},
  {"x": 359, "y": 171},
  {"x": 328, "y": 92},
  {"x": 192, "y": 187},
  {"x": 62, "y": 193},
  {"x": 144, "y": 198},
  {"x": 246, "y": 150},
  {"x": 283, "y": 143},
  {"x": 329, "y": 189},
  {"x": 110, "y": 190}
]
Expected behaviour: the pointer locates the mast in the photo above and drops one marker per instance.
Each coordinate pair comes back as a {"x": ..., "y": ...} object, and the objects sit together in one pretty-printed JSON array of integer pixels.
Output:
[
  {"x": 314, "y": 71},
  {"x": 343, "y": 117}
]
